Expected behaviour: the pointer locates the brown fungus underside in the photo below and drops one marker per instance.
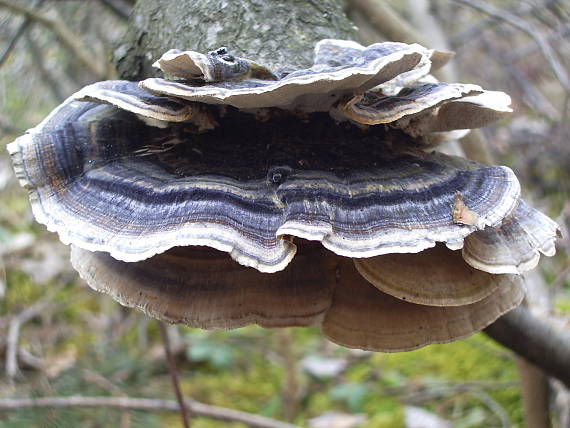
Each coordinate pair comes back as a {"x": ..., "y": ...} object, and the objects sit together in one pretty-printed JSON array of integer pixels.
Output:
[{"x": 327, "y": 196}]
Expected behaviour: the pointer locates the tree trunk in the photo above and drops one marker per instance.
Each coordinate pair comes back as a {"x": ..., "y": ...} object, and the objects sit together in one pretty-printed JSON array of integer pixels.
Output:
[{"x": 278, "y": 34}]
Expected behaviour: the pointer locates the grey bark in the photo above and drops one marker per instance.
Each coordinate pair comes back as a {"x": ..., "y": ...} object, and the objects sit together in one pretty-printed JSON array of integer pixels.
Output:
[
  {"x": 535, "y": 340},
  {"x": 278, "y": 34}
]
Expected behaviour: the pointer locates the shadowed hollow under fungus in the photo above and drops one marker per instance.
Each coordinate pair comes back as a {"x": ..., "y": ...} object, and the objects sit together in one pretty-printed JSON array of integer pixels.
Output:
[{"x": 228, "y": 194}]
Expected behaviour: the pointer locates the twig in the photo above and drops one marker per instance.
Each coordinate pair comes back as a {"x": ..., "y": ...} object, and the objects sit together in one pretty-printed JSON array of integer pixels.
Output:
[
  {"x": 31, "y": 360},
  {"x": 19, "y": 33},
  {"x": 8, "y": 128},
  {"x": 472, "y": 32},
  {"x": 530, "y": 47},
  {"x": 145, "y": 404},
  {"x": 174, "y": 375},
  {"x": 106, "y": 384},
  {"x": 67, "y": 38},
  {"x": 38, "y": 60},
  {"x": 2, "y": 278},
  {"x": 290, "y": 391},
  {"x": 535, "y": 340},
  {"x": 14, "y": 330},
  {"x": 119, "y": 8},
  {"x": 534, "y": 391},
  {"x": 560, "y": 279},
  {"x": 468, "y": 387},
  {"x": 494, "y": 406},
  {"x": 547, "y": 52},
  {"x": 101, "y": 381},
  {"x": 386, "y": 21},
  {"x": 531, "y": 95}
]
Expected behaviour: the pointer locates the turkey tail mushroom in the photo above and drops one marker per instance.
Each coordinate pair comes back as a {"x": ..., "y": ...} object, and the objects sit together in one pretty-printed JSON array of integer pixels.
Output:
[
  {"x": 363, "y": 317},
  {"x": 205, "y": 288},
  {"x": 159, "y": 185},
  {"x": 435, "y": 277},
  {"x": 514, "y": 246}
]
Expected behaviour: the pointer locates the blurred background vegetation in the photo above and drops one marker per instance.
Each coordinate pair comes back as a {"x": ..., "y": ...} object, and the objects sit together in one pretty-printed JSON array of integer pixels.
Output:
[{"x": 58, "y": 338}]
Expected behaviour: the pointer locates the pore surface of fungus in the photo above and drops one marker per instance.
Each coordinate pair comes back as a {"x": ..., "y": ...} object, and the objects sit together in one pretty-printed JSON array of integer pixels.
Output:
[{"x": 330, "y": 162}]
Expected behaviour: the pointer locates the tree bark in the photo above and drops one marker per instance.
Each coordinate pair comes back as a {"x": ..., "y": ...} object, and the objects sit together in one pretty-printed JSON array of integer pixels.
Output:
[
  {"x": 278, "y": 34},
  {"x": 535, "y": 340}
]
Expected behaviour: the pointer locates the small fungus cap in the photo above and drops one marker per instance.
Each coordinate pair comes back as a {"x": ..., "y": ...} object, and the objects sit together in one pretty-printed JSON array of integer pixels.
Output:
[{"x": 340, "y": 68}]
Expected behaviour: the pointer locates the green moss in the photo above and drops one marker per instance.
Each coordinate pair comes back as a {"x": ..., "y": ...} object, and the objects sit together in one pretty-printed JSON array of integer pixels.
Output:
[
  {"x": 474, "y": 359},
  {"x": 562, "y": 304},
  {"x": 21, "y": 290},
  {"x": 388, "y": 414}
]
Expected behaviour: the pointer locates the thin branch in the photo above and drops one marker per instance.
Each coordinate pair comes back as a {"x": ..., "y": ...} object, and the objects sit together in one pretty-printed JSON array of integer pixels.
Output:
[
  {"x": 174, "y": 375},
  {"x": 120, "y": 9},
  {"x": 560, "y": 279},
  {"x": 535, "y": 340},
  {"x": 101, "y": 381},
  {"x": 290, "y": 392},
  {"x": 494, "y": 407},
  {"x": 2, "y": 278},
  {"x": 48, "y": 79},
  {"x": 67, "y": 38},
  {"x": 14, "y": 330},
  {"x": 545, "y": 48},
  {"x": 19, "y": 33},
  {"x": 531, "y": 95},
  {"x": 436, "y": 391},
  {"x": 8, "y": 128},
  {"x": 524, "y": 51},
  {"x": 145, "y": 404},
  {"x": 472, "y": 32},
  {"x": 106, "y": 384},
  {"x": 534, "y": 391},
  {"x": 386, "y": 21}
]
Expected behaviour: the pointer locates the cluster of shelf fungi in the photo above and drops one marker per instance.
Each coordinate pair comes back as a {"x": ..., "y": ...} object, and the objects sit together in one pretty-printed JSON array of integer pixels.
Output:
[{"x": 227, "y": 194}]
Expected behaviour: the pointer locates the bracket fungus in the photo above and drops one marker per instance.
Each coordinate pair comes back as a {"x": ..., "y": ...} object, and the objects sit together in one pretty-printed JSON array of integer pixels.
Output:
[{"x": 320, "y": 184}]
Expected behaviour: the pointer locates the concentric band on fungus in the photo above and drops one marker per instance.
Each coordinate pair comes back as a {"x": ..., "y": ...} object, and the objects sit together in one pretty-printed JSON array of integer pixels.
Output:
[
  {"x": 128, "y": 96},
  {"x": 515, "y": 245},
  {"x": 86, "y": 184},
  {"x": 373, "y": 109}
]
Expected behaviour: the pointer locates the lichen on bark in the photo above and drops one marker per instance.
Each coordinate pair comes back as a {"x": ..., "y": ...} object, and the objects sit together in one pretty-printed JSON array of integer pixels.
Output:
[{"x": 278, "y": 34}]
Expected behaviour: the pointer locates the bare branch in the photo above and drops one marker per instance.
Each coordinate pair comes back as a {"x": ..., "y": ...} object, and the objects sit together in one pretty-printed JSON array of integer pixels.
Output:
[
  {"x": 145, "y": 404},
  {"x": 534, "y": 388},
  {"x": 174, "y": 375},
  {"x": 526, "y": 50},
  {"x": 545, "y": 48},
  {"x": 7, "y": 127},
  {"x": 19, "y": 33},
  {"x": 386, "y": 21},
  {"x": 531, "y": 95},
  {"x": 67, "y": 38},
  {"x": 14, "y": 330},
  {"x": 2, "y": 276},
  {"x": 290, "y": 391},
  {"x": 535, "y": 340},
  {"x": 119, "y": 8},
  {"x": 48, "y": 79}
]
